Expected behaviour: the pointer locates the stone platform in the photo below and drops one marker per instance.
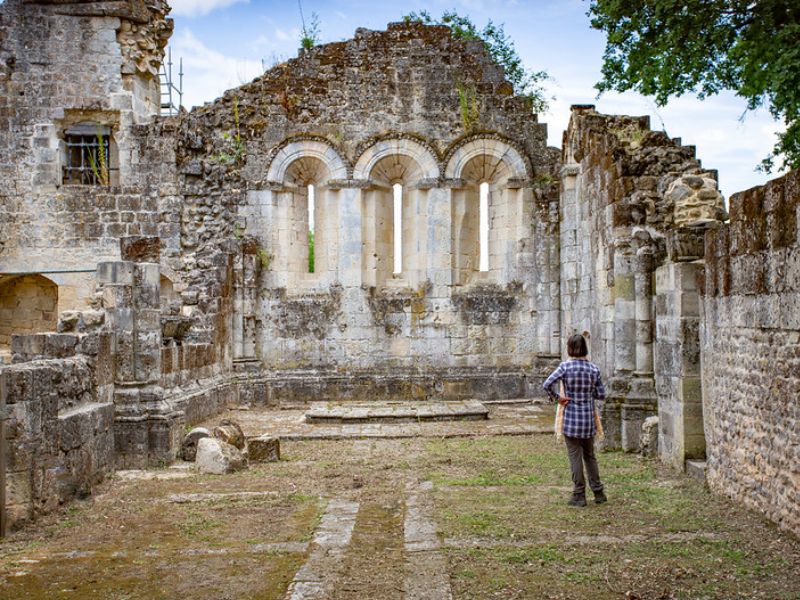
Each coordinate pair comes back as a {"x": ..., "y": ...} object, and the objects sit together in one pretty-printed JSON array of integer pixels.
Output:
[
  {"x": 395, "y": 412},
  {"x": 523, "y": 417}
]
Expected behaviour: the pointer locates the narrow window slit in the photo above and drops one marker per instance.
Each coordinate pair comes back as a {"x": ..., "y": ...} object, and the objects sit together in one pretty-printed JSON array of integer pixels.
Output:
[
  {"x": 311, "y": 225},
  {"x": 398, "y": 228},
  {"x": 483, "y": 227}
]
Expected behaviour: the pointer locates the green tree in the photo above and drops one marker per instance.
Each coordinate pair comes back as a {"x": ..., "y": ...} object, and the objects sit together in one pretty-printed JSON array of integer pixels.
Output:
[
  {"x": 310, "y": 251},
  {"x": 526, "y": 83},
  {"x": 666, "y": 48}
]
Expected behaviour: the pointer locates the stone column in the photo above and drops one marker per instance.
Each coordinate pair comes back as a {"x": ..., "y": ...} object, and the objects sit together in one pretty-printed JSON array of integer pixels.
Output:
[
  {"x": 350, "y": 231},
  {"x": 439, "y": 241},
  {"x": 624, "y": 308},
  {"x": 678, "y": 377},
  {"x": 146, "y": 427},
  {"x": 639, "y": 400},
  {"x": 624, "y": 342}
]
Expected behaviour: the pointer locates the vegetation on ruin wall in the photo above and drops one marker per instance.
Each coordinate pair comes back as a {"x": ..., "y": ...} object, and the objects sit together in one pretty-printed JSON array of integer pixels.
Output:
[
  {"x": 232, "y": 141},
  {"x": 526, "y": 83},
  {"x": 665, "y": 48}
]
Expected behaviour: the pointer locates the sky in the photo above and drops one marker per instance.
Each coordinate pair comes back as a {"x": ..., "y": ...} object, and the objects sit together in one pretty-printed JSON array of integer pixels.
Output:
[{"x": 225, "y": 43}]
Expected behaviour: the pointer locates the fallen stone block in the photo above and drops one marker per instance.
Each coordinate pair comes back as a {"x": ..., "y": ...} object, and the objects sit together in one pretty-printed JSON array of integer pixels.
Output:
[
  {"x": 215, "y": 457},
  {"x": 264, "y": 449},
  {"x": 648, "y": 441},
  {"x": 231, "y": 433},
  {"x": 189, "y": 444}
]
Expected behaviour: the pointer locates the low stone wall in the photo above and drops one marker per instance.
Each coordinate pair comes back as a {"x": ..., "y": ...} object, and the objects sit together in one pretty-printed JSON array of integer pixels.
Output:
[
  {"x": 302, "y": 386},
  {"x": 60, "y": 439},
  {"x": 750, "y": 351}
]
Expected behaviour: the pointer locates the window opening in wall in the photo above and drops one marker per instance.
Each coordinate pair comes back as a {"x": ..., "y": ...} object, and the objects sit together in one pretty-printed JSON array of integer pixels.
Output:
[
  {"x": 483, "y": 227},
  {"x": 398, "y": 228},
  {"x": 311, "y": 224},
  {"x": 88, "y": 158}
]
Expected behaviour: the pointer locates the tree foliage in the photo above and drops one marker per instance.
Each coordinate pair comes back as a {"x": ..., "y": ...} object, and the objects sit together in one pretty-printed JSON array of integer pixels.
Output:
[
  {"x": 500, "y": 46},
  {"x": 666, "y": 48}
]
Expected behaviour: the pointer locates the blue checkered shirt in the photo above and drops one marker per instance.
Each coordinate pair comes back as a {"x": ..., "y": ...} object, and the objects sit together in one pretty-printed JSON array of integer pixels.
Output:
[{"x": 583, "y": 385}]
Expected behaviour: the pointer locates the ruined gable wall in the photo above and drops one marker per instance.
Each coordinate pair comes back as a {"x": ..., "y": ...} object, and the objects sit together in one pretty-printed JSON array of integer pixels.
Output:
[
  {"x": 750, "y": 345},
  {"x": 398, "y": 88}
]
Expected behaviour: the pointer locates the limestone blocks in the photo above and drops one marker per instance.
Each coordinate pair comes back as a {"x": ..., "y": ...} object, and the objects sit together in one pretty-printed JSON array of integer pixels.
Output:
[
  {"x": 696, "y": 200},
  {"x": 190, "y": 442},
  {"x": 215, "y": 457},
  {"x": 142, "y": 44},
  {"x": 264, "y": 449}
]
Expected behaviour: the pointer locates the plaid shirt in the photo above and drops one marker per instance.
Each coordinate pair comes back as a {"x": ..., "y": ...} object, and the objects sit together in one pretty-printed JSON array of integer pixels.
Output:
[{"x": 583, "y": 385}]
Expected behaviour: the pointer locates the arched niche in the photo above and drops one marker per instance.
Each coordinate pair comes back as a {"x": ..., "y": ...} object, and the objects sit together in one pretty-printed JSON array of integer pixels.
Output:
[
  {"x": 395, "y": 206},
  {"x": 503, "y": 170},
  {"x": 286, "y": 157},
  {"x": 28, "y": 304}
]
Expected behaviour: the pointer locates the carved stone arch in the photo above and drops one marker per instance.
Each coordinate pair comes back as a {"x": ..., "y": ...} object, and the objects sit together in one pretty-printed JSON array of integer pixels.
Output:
[
  {"x": 314, "y": 148},
  {"x": 397, "y": 158},
  {"x": 486, "y": 158}
]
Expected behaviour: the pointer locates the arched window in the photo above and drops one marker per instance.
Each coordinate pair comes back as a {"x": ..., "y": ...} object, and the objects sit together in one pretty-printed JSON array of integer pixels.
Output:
[{"x": 490, "y": 218}]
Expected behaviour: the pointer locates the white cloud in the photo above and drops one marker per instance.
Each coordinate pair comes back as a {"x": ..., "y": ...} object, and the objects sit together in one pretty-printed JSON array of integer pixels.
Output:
[
  {"x": 283, "y": 36},
  {"x": 207, "y": 72},
  {"x": 199, "y": 8}
]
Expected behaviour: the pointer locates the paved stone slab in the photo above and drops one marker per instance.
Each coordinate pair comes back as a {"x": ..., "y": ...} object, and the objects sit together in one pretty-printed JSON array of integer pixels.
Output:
[
  {"x": 427, "y": 575},
  {"x": 314, "y": 580},
  {"x": 381, "y": 412}
]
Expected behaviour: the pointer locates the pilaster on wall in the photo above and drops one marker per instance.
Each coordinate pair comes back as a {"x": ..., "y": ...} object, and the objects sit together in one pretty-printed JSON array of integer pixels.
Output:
[
  {"x": 146, "y": 427},
  {"x": 677, "y": 362},
  {"x": 246, "y": 266}
]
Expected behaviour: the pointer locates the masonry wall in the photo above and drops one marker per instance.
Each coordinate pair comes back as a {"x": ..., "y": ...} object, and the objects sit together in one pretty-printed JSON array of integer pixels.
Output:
[
  {"x": 312, "y": 121},
  {"x": 62, "y": 64},
  {"x": 632, "y": 200},
  {"x": 59, "y": 425},
  {"x": 750, "y": 345}
]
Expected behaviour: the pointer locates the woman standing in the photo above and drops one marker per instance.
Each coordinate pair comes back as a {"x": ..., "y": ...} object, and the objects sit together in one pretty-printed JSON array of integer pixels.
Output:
[{"x": 582, "y": 387}]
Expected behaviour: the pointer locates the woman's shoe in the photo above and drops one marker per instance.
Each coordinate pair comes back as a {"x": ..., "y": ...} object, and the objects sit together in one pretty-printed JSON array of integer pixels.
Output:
[
  {"x": 577, "y": 500},
  {"x": 600, "y": 497}
]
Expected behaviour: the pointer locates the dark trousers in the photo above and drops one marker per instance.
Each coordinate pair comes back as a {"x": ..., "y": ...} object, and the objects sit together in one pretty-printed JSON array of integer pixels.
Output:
[{"x": 580, "y": 451}]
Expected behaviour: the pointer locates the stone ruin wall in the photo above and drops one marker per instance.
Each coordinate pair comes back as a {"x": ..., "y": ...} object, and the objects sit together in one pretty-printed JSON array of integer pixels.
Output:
[
  {"x": 200, "y": 288},
  {"x": 633, "y": 201},
  {"x": 311, "y": 121},
  {"x": 61, "y": 64},
  {"x": 750, "y": 350}
]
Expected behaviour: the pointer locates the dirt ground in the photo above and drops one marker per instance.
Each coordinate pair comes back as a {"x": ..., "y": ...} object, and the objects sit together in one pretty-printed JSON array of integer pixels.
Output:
[{"x": 502, "y": 529}]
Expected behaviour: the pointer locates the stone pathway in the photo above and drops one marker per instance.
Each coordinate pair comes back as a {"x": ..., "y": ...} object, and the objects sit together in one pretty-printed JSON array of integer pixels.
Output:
[
  {"x": 427, "y": 576},
  {"x": 316, "y": 577}
]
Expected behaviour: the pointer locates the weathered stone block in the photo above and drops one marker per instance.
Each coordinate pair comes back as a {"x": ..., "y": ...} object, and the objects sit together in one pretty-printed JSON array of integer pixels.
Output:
[
  {"x": 190, "y": 440},
  {"x": 215, "y": 457},
  {"x": 264, "y": 449}
]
